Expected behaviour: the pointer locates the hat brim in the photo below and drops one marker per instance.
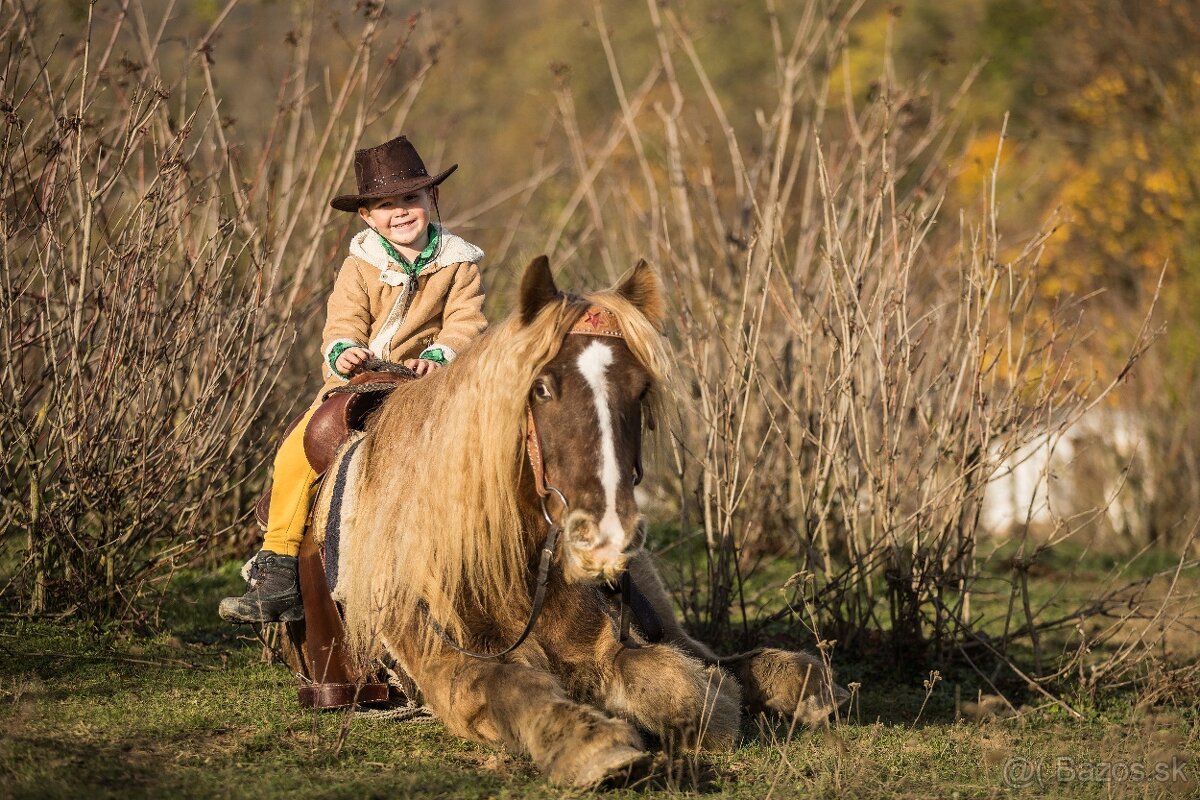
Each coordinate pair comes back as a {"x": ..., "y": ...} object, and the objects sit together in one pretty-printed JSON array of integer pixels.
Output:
[{"x": 351, "y": 202}]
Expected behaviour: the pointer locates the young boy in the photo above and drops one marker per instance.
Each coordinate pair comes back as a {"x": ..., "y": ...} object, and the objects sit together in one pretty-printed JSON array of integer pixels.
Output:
[{"x": 409, "y": 291}]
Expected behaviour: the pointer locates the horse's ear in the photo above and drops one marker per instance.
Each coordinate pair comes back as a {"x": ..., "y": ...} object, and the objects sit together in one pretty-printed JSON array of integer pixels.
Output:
[
  {"x": 645, "y": 291},
  {"x": 537, "y": 288}
]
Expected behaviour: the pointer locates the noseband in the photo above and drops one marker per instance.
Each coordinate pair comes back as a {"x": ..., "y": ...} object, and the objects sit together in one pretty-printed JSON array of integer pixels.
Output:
[{"x": 595, "y": 321}]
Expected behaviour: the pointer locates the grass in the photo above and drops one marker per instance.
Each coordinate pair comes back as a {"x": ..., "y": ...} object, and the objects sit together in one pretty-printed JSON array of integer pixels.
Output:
[{"x": 196, "y": 711}]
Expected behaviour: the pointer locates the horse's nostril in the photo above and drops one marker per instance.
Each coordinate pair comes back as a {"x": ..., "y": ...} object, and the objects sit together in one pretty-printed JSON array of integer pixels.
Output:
[{"x": 581, "y": 529}]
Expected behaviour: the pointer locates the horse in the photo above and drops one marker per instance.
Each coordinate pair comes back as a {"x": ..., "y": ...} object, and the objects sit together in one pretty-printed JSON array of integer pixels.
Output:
[{"x": 448, "y": 516}]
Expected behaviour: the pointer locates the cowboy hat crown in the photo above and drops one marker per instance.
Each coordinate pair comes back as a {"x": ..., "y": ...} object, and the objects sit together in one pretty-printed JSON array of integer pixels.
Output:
[{"x": 389, "y": 169}]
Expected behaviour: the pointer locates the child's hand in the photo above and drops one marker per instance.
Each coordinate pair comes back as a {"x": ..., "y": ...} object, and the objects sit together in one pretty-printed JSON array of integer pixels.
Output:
[
  {"x": 421, "y": 366},
  {"x": 351, "y": 359}
]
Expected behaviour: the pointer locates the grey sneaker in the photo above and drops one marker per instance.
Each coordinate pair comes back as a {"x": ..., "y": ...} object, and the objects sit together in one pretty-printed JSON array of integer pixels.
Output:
[{"x": 274, "y": 594}]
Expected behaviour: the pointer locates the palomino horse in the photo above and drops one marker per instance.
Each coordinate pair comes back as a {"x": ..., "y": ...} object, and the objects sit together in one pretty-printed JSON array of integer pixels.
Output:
[{"x": 443, "y": 520}]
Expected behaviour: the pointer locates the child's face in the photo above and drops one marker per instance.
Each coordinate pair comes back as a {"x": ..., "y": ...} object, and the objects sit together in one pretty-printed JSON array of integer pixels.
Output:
[{"x": 403, "y": 219}]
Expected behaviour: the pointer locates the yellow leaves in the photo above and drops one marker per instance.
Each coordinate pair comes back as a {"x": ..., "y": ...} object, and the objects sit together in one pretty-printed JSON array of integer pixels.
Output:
[
  {"x": 863, "y": 62},
  {"x": 1101, "y": 99},
  {"x": 1125, "y": 204},
  {"x": 1163, "y": 182},
  {"x": 1140, "y": 151},
  {"x": 978, "y": 160}
]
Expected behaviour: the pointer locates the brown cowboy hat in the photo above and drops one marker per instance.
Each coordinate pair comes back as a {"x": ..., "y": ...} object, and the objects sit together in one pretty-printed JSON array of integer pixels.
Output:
[{"x": 389, "y": 169}]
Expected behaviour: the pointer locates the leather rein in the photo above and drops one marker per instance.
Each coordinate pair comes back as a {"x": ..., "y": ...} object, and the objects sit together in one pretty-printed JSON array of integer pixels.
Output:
[{"x": 595, "y": 321}]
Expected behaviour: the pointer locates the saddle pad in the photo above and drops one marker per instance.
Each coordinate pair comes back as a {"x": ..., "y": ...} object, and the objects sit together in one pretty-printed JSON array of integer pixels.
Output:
[{"x": 331, "y": 537}]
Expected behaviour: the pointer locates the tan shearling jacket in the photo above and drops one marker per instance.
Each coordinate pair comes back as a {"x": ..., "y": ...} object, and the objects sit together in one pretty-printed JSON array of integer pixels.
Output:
[{"x": 374, "y": 303}]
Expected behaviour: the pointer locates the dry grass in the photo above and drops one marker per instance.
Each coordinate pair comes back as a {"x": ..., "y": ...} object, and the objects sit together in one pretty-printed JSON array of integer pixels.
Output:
[
  {"x": 855, "y": 361},
  {"x": 201, "y": 716}
]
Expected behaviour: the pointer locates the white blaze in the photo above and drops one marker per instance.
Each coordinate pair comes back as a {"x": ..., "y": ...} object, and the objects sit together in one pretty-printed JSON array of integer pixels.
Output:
[{"x": 593, "y": 364}]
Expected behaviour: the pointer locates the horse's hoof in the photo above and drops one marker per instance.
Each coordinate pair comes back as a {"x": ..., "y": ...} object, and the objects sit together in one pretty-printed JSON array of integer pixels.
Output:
[
  {"x": 642, "y": 772},
  {"x": 795, "y": 685},
  {"x": 600, "y": 750},
  {"x": 617, "y": 766}
]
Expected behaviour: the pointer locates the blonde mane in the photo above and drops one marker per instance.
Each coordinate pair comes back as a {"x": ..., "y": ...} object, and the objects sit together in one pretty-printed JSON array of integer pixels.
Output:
[{"x": 438, "y": 514}]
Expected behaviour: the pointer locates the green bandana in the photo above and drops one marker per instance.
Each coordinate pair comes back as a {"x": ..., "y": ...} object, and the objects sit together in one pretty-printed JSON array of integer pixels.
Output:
[{"x": 426, "y": 255}]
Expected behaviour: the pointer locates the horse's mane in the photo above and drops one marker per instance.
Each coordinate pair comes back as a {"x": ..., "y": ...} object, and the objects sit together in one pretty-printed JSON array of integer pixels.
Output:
[{"x": 438, "y": 516}]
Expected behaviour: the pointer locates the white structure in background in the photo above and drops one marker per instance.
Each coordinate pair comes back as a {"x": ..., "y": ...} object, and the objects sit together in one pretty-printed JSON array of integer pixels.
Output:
[{"x": 1098, "y": 464}]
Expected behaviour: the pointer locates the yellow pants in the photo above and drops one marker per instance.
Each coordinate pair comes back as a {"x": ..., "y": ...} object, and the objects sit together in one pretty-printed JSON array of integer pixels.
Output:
[{"x": 292, "y": 492}]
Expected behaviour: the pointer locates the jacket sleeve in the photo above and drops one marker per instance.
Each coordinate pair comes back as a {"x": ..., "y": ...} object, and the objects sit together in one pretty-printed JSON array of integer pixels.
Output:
[
  {"x": 463, "y": 318},
  {"x": 348, "y": 315}
]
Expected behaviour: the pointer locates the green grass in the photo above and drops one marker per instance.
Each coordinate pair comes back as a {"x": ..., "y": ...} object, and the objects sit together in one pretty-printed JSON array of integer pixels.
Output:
[{"x": 194, "y": 711}]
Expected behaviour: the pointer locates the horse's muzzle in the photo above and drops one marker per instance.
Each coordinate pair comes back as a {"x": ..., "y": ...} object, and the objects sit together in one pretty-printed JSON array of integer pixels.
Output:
[{"x": 592, "y": 554}]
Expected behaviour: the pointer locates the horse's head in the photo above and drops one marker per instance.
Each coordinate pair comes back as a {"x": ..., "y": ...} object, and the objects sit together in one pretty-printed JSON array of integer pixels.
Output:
[{"x": 588, "y": 404}]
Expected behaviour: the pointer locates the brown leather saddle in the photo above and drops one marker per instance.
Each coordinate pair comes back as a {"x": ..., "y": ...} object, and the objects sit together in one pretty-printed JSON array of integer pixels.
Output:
[
  {"x": 329, "y": 678},
  {"x": 343, "y": 411}
]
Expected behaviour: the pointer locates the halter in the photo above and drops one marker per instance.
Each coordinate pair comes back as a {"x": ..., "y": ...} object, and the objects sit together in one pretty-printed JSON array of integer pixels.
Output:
[{"x": 595, "y": 321}]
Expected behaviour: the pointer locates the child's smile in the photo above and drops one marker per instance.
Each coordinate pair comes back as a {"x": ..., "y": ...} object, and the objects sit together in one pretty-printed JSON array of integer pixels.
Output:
[{"x": 403, "y": 220}]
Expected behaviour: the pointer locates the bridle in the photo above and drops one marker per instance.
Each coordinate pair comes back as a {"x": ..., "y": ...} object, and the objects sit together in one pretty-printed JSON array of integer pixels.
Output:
[{"x": 595, "y": 321}]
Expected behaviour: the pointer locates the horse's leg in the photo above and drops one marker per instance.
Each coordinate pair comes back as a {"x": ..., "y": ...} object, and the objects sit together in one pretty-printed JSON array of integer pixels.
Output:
[
  {"x": 790, "y": 683},
  {"x": 671, "y": 694},
  {"x": 659, "y": 687},
  {"x": 524, "y": 710},
  {"x": 794, "y": 684}
]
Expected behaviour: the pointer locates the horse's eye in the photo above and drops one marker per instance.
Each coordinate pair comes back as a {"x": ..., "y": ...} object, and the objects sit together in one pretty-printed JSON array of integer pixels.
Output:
[{"x": 541, "y": 391}]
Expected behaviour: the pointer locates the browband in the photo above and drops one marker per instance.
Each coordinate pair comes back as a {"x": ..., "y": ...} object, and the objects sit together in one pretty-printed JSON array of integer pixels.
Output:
[{"x": 598, "y": 321}]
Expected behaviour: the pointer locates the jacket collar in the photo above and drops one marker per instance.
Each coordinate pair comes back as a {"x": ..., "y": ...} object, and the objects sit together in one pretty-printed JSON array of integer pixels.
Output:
[{"x": 454, "y": 249}]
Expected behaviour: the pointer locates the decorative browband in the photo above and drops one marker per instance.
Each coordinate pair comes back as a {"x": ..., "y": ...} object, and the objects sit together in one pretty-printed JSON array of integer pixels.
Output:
[{"x": 597, "y": 321}]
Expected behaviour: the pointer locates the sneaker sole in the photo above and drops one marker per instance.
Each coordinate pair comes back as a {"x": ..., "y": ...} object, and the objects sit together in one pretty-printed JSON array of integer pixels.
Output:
[{"x": 293, "y": 614}]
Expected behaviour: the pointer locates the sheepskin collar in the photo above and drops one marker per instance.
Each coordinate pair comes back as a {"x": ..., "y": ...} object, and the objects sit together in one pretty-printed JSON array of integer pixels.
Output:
[{"x": 454, "y": 249}]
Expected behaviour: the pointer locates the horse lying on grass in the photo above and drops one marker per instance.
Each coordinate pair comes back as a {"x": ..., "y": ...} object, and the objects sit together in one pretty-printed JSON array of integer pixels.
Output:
[{"x": 461, "y": 483}]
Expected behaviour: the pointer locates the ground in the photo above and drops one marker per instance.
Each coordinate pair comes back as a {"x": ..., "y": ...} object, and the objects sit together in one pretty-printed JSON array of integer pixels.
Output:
[{"x": 195, "y": 710}]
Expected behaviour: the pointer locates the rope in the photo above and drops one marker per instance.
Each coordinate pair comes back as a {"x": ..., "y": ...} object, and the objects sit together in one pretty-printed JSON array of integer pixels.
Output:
[
  {"x": 539, "y": 594},
  {"x": 409, "y": 712}
]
